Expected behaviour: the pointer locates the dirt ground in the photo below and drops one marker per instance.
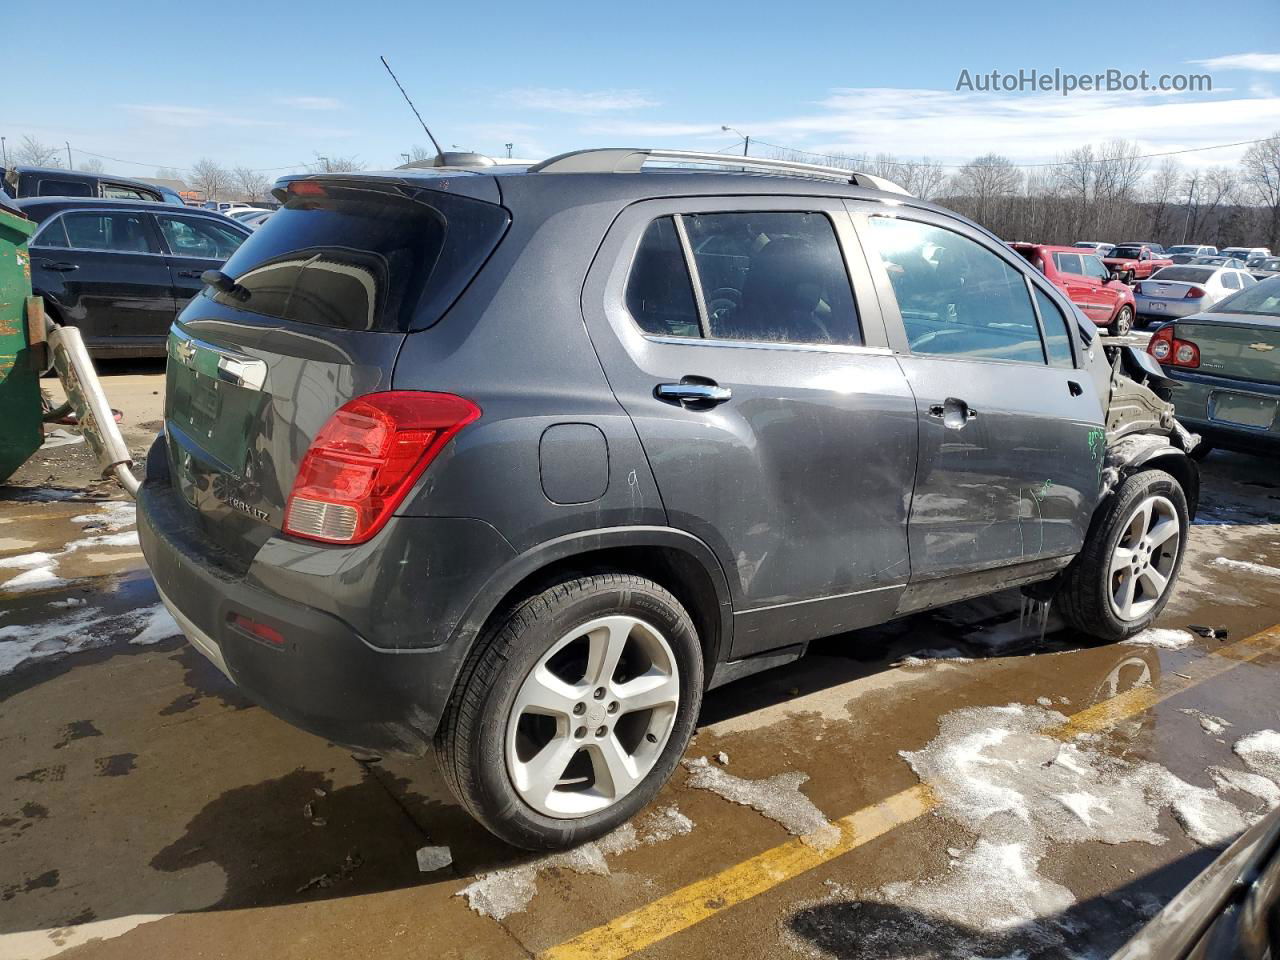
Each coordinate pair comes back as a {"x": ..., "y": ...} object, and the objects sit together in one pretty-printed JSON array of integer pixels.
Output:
[{"x": 956, "y": 784}]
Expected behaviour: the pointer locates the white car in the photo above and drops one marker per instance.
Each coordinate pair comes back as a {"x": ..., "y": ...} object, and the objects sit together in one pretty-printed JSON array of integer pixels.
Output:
[
  {"x": 1096, "y": 246},
  {"x": 1246, "y": 253},
  {"x": 244, "y": 213},
  {"x": 1182, "y": 290}
]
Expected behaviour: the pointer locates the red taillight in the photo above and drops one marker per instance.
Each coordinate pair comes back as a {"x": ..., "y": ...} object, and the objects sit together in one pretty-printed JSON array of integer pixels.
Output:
[
  {"x": 366, "y": 458},
  {"x": 306, "y": 188},
  {"x": 1137, "y": 288},
  {"x": 1195, "y": 293},
  {"x": 1167, "y": 348}
]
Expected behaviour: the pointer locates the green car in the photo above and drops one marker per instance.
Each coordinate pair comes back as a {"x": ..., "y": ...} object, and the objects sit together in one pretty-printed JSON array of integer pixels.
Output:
[{"x": 1225, "y": 363}]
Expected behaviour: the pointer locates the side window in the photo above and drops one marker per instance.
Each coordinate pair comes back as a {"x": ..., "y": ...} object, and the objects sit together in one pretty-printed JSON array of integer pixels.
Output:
[
  {"x": 773, "y": 276},
  {"x": 117, "y": 192},
  {"x": 1069, "y": 263},
  {"x": 1057, "y": 332},
  {"x": 957, "y": 298},
  {"x": 64, "y": 188},
  {"x": 1230, "y": 281},
  {"x": 1247, "y": 279},
  {"x": 197, "y": 237},
  {"x": 115, "y": 232},
  {"x": 659, "y": 292},
  {"x": 54, "y": 234},
  {"x": 1093, "y": 267}
]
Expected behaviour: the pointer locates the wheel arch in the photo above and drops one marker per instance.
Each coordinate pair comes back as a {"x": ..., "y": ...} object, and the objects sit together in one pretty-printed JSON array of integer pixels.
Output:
[
  {"x": 1159, "y": 456},
  {"x": 675, "y": 560}
]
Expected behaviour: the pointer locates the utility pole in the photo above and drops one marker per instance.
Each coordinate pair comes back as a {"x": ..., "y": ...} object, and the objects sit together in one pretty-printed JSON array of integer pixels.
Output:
[
  {"x": 509, "y": 146},
  {"x": 69, "y": 164},
  {"x": 746, "y": 140}
]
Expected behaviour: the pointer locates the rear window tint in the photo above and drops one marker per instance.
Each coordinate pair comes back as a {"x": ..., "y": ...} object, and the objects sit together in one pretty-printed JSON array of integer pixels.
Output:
[
  {"x": 1184, "y": 274},
  {"x": 659, "y": 292},
  {"x": 364, "y": 258}
]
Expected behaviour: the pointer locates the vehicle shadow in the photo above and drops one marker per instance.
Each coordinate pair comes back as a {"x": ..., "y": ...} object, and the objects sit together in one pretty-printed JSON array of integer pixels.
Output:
[{"x": 860, "y": 929}]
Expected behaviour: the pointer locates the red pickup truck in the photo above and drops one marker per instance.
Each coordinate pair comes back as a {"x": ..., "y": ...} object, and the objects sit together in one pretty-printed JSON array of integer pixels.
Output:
[
  {"x": 1086, "y": 282},
  {"x": 1136, "y": 261}
]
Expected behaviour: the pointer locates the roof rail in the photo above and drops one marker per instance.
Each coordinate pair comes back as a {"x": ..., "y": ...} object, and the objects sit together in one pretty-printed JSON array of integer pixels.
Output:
[{"x": 632, "y": 159}]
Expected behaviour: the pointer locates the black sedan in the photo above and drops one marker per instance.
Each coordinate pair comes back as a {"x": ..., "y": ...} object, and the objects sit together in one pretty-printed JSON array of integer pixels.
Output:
[{"x": 120, "y": 270}]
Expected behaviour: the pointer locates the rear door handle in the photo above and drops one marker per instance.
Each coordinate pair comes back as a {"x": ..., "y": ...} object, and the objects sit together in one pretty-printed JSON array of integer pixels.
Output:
[
  {"x": 692, "y": 393},
  {"x": 59, "y": 265},
  {"x": 1074, "y": 388},
  {"x": 953, "y": 412},
  {"x": 191, "y": 274}
]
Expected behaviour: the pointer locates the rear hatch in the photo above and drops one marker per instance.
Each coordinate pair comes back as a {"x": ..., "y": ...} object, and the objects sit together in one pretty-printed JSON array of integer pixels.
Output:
[
  {"x": 1235, "y": 346},
  {"x": 326, "y": 292}
]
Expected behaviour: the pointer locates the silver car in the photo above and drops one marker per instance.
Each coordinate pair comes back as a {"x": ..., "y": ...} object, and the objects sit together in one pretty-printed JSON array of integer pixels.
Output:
[
  {"x": 1182, "y": 290},
  {"x": 1097, "y": 246},
  {"x": 1265, "y": 268}
]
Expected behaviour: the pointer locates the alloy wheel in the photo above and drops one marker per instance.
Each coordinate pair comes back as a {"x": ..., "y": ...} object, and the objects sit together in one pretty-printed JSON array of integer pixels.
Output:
[
  {"x": 1144, "y": 558},
  {"x": 592, "y": 717}
]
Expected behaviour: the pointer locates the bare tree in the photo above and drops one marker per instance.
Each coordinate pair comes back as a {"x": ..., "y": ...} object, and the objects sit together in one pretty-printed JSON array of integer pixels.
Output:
[
  {"x": 1261, "y": 164},
  {"x": 987, "y": 183},
  {"x": 168, "y": 173},
  {"x": 92, "y": 165},
  {"x": 336, "y": 164},
  {"x": 419, "y": 152},
  {"x": 1161, "y": 194},
  {"x": 251, "y": 183},
  {"x": 36, "y": 154},
  {"x": 925, "y": 179},
  {"x": 210, "y": 178}
]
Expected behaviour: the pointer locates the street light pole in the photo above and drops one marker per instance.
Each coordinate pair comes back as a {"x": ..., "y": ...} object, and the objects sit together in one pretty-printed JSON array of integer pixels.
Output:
[
  {"x": 509, "y": 146},
  {"x": 325, "y": 161},
  {"x": 70, "y": 166},
  {"x": 746, "y": 140},
  {"x": 406, "y": 157}
]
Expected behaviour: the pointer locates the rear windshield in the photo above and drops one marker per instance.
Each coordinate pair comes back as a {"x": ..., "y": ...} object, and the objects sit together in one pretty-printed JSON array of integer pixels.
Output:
[
  {"x": 1128, "y": 253},
  {"x": 364, "y": 257},
  {"x": 1261, "y": 299},
  {"x": 1184, "y": 274}
]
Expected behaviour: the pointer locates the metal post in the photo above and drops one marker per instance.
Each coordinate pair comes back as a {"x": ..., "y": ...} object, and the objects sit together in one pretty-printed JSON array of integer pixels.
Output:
[
  {"x": 746, "y": 146},
  {"x": 509, "y": 146},
  {"x": 4, "y": 153},
  {"x": 70, "y": 166}
]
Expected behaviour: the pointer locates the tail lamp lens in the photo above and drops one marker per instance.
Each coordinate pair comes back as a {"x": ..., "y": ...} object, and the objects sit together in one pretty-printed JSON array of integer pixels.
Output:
[
  {"x": 1167, "y": 348},
  {"x": 366, "y": 458},
  {"x": 1195, "y": 293}
]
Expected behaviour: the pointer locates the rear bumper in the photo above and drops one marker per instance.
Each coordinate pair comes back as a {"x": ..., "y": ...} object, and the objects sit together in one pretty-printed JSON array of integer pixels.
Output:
[
  {"x": 326, "y": 678},
  {"x": 1195, "y": 405},
  {"x": 1158, "y": 308}
]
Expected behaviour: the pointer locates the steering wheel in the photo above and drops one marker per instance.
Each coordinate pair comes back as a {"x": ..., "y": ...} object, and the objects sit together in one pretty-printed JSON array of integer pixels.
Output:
[
  {"x": 723, "y": 302},
  {"x": 927, "y": 338}
]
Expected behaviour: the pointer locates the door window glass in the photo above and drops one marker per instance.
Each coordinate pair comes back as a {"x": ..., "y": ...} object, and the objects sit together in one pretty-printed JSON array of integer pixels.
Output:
[
  {"x": 1069, "y": 263},
  {"x": 117, "y": 192},
  {"x": 659, "y": 293},
  {"x": 957, "y": 298},
  {"x": 197, "y": 237},
  {"x": 54, "y": 234},
  {"x": 117, "y": 232},
  {"x": 64, "y": 188},
  {"x": 1093, "y": 267},
  {"x": 773, "y": 276},
  {"x": 1229, "y": 281},
  {"x": 1057, "y": 332}
]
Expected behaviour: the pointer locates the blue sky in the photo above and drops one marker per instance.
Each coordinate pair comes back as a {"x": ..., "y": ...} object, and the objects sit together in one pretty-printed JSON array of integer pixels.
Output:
[{"x": 271, "y": 88}]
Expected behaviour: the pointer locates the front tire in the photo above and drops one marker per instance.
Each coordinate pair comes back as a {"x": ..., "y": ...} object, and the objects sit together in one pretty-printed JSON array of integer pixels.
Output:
[
  {"x": 573, "y": 710},
  {"x": 1123, "y": 577},
  {"x": 1123, "y": 322}
]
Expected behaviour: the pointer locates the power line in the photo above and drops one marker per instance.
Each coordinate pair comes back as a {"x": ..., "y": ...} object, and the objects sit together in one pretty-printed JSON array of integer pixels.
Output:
[
  {"x": 1023, "y": 166},
  {"x": 171, "y": 166}
]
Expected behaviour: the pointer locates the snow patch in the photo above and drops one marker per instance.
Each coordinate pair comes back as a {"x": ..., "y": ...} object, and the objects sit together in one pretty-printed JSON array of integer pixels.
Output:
[
  {"x": 127, "y": 538},
  {"x": 1210, "y": 724},
  {"x": 1261, "y": 753},
  {"x": 112, "y": 515},
  {"x": 777, "y": 797},
  {"x": 1164, "y": 639},
  {"x": 86, "y": 629},
  {"x": 433, "y": 858},
  {"x": 1245, "y": 566},
  {"x": 1254, "y": 784},
  {"x": 37, "y": 578},
  {"x": 26, "y": 560},
  {"x": 157, "y": 624}
]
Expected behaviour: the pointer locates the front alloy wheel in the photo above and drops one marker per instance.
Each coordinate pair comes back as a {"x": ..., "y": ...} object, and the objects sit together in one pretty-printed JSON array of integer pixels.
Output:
[{"x": 592, "y": 717}]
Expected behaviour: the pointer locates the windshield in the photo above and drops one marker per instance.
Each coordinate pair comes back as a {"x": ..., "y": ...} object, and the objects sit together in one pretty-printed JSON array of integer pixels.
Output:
[
  {"x": 1272, "y": 264},
  {"x": 1127, "y": 253},
  {"x": 1260, "y": 300},
  {"x": 1184, "y": 248}
]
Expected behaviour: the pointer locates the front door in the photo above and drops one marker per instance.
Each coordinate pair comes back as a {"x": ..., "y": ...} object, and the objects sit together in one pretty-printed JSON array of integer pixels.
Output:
[
  {"x": 1010, "y": 429},
  {"x": 108, "y": 274},
  {"x": 779, "y": 427}
]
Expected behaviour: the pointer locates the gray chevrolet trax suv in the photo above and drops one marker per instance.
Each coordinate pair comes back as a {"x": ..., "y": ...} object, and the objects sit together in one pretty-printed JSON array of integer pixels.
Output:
[{"x": 514, "y": 464}]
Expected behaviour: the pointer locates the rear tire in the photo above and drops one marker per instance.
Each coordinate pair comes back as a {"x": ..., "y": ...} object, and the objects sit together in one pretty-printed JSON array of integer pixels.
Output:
[
  {"x": 1123, "y": 322},
  {"x": 1113, "y": 588},
  {"x": 539, "y": 743}
]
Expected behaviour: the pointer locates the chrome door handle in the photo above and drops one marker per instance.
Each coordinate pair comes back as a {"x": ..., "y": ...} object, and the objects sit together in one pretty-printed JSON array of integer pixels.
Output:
[
  {"x": 953, "y": 413},
  {"x": 698, "y": 394}
]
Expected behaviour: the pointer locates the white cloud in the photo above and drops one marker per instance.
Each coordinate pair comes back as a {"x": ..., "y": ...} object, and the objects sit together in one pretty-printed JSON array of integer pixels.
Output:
[
  {"x": 578, "y": 101},
  {"x": 1266, "y": 62},
  {"x": 310, "y": 103}
]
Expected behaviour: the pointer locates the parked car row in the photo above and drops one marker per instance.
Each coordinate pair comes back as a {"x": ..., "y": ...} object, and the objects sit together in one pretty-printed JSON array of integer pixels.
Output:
[
  {"x": 56, "y": 182},
  {"x": 1180, "y": 291},
  {"x": 1086, "y": 281}
]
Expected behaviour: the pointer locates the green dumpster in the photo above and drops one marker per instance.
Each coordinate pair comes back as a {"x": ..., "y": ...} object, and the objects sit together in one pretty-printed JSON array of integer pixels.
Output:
[{"x": 20, "y": 429}]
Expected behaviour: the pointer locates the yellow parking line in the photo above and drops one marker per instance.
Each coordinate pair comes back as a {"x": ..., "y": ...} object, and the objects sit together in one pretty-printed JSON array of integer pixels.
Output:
[{"x": 691, "y": 904}]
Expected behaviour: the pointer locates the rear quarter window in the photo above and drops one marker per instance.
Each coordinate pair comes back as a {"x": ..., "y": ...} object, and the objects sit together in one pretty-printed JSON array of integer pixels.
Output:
[{"x": 364, "y": 257}]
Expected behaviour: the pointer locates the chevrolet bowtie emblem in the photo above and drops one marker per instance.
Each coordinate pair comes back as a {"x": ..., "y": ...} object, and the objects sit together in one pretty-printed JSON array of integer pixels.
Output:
[
  {"x": 186, "y": 351},
  {"x": 1264, "y": 347}
]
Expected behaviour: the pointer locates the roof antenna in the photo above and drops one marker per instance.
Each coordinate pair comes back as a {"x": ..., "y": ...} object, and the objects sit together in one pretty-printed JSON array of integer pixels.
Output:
[{"x": 411, "y": 106}]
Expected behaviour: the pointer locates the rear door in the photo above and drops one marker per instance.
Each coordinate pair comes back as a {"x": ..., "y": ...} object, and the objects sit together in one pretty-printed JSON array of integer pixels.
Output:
[
  {"x": 194, "y": 244},
  {"x": 327, "y": 292},
  {"x": 779, "y": 426},
  {"x": 1079, "y": 290},
  {"x": 113, "y": 280},
  {"x": 1010, "y": 429}
]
